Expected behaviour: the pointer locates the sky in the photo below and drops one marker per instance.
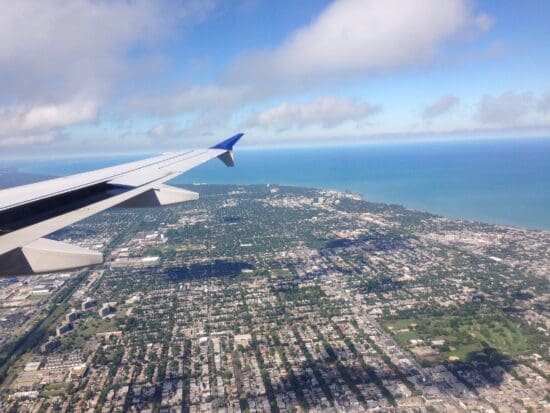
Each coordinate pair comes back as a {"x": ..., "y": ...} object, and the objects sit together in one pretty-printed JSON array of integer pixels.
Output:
[{"x": 93, "y": 76}]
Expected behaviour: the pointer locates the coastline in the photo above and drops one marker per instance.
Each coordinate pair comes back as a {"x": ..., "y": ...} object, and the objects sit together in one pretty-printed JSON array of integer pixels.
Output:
[{"x": 497, "y": 182}]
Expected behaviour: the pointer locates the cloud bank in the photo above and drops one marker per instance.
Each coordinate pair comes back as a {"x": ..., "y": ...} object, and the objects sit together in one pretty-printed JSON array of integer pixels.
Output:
[
  {"x": 355, "y": 36},
  {"x": 510, "y": 108},
  {"x": 61, "y": 60},
  {"x": 441, "y": 106},
  {"x": 325, "y": 111}
]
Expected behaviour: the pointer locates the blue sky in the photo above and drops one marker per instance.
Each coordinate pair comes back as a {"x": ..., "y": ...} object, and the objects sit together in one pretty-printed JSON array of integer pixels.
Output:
[{"x": 87, "y": 76}]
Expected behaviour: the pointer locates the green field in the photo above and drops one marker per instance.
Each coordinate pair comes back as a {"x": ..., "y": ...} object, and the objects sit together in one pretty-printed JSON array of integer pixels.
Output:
[
  {"x": 84, "y": 333},
  {"x": 467, "y": 334},
  {"x": 282, "y": 273}
]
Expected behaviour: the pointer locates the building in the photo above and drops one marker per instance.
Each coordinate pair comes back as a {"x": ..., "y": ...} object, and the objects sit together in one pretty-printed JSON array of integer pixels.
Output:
[
  {"x": 64, "y": 328},
  {"x": 50, "y": 345},
  {"x": 72, "y": 316},
  {"x": 88, "y": 303},
  {"x": 106, "y": 310},
  {"x": 243, "y": 340}
]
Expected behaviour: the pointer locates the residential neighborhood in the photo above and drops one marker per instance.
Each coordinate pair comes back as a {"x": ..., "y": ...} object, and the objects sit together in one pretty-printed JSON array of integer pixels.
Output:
[{"x": 272, "y": 298}]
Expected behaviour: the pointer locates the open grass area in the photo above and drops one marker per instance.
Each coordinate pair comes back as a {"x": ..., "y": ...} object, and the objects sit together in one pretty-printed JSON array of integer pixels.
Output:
[
  {"x": 467, "y": 334},
  {"x": 54, "y": 389},
  {"x": 283, "y": 273},
  {"x": 38, "y": 297},
  {"x": 84, "y": 333}
]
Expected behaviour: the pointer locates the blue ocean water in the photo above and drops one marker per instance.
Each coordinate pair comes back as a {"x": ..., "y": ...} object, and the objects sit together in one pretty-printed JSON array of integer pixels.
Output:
[{"x": 497, "y": 181}]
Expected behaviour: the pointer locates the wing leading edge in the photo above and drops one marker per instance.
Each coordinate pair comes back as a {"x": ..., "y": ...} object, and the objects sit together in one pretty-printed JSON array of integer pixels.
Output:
[{"x": 28, "y": 213}]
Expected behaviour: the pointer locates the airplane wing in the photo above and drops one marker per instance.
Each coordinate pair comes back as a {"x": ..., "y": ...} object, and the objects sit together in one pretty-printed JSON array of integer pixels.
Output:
[{"x": 30, "y": 212}]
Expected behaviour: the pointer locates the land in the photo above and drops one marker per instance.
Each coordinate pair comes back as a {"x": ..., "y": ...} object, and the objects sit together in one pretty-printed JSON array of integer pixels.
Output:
[{"x": 271, "y": 298}]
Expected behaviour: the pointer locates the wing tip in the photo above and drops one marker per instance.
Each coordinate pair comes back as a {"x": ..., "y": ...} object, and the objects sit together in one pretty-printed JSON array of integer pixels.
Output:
[{"x": 228, "y": 143}]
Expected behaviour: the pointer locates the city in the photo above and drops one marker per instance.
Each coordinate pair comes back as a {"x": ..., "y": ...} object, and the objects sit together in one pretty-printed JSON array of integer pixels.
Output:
[{"x": 271, "y": 298}]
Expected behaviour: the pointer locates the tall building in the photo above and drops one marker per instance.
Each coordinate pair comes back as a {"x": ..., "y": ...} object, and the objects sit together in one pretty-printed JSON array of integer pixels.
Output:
[
  {"x": 50, "y": 345},
  {"x": 88, "y": 303},
  {"x": 64, "y": 328},
  {"x": 72, "y": 316},
  {"x": 106, "y": 309}
]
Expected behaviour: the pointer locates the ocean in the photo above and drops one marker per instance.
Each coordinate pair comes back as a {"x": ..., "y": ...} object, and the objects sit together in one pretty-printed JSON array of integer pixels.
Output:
[{"x": 495, "y": 181}]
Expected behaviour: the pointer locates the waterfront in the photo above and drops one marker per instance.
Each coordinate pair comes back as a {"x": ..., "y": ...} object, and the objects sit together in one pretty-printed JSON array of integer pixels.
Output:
[{"x": 496, "y": 181}]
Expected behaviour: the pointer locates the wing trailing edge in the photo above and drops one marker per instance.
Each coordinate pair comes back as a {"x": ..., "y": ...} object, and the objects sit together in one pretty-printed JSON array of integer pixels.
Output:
[
  {"x": 161, "y": 196},
  {"x": 46, "y": 255}
]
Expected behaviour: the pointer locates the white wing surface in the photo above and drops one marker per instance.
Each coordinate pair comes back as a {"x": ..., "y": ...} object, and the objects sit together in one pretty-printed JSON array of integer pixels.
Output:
[{"x": 30, "y": 212}]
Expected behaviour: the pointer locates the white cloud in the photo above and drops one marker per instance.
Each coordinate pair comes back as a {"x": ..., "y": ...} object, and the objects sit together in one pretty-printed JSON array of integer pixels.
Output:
[
  {"x": 349, "y": 37},
  {"x": 161, "y": 130},
  {"x": 61, "y": 60},
  {"x": 510, "y": 108},
  {"x": 441, "y": 106},
  {"x": 27, "y": 140},
  {"x": 326, "y": 111},
  {"x": 193, "y": 130},
  {"x": 37, "y": 124},
  {"x": 354, "y": 36},
  {"x": 514, "y": 109},
  {"x": 192, "y": 99},
  {"x": 40, "y": 124},
  {"x": 57, "y": 116},
  {"x": 56, "y": 47},
  {"x": 544, "y": 103}
]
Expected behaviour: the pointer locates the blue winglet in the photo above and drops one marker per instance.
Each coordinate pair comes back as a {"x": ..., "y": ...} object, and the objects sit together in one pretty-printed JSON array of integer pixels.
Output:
[{"x": 228, "y": 143}]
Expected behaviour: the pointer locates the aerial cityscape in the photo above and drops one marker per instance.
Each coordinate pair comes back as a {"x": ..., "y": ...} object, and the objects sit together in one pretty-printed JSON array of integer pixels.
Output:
[
  {"x": 272, "y": 298},
  {"x": 274, "y": 206}
]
